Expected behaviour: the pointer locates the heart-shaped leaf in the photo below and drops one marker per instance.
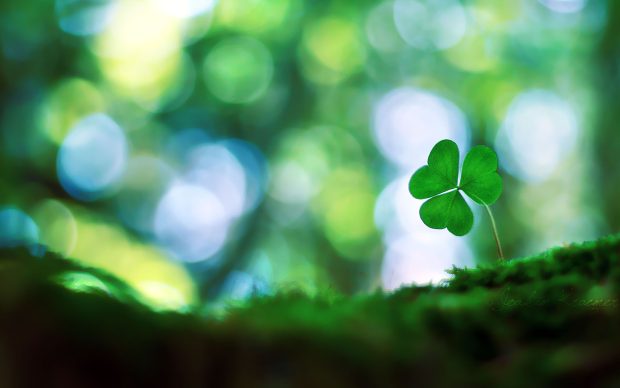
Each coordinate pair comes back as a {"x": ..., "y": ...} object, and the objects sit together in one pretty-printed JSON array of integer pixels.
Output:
[
  {"x": 480, "y": 180},
  {"x": 440, "y": 175},
  {"x": 438, "y": 181},
  {"x": 448, "y": 211}
]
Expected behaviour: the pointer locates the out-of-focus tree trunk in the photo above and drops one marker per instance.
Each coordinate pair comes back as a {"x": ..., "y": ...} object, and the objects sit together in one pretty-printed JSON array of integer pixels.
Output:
[{"x": 607, "y": 77}]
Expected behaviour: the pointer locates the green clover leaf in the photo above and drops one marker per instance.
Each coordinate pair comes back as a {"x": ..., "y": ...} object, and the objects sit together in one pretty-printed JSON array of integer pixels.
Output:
[{"x": 438, "y": 181}]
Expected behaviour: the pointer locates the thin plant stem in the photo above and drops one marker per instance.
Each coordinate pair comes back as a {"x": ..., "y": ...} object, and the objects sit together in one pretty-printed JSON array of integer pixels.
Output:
[{"x": 500, "y": 252}]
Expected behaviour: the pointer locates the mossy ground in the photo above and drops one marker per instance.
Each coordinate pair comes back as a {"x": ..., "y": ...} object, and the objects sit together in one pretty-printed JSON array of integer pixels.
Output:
[{"x": 544, "y": 320}]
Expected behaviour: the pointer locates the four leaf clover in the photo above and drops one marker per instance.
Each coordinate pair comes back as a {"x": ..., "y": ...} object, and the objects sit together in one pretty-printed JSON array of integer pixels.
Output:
[{"x": 439, "y": 181}]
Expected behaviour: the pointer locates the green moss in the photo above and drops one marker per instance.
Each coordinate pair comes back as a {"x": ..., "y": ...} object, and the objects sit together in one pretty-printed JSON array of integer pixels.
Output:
[{"x": 552, "y": 318}]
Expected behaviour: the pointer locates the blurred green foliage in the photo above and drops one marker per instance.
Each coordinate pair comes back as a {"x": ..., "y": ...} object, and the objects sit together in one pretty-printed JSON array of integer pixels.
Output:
[{"x": 235, "y": 146}]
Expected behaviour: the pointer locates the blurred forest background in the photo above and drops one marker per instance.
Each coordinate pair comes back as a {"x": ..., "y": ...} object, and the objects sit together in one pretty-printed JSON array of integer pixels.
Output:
[{"x": 207, "y": 150}]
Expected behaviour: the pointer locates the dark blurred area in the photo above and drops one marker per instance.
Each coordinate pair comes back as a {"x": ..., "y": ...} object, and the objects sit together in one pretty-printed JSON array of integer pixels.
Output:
[{"x": 205, "y": 151}]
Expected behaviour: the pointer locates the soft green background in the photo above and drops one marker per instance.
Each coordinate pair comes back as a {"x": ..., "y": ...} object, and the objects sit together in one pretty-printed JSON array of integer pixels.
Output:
[{"x": 282, "y": 134}]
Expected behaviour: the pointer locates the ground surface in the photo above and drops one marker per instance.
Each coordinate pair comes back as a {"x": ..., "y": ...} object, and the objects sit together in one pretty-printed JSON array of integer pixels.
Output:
[{"x": 551, "y": 318}]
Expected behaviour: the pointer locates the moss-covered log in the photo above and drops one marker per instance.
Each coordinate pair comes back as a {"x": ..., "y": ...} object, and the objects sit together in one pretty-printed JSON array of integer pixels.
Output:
[{"x": 549, "y": 319}]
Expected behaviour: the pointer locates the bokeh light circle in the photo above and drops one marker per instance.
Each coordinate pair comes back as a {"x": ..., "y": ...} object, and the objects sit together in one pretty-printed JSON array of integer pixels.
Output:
[
  {"x": 381, "y": 30},
  {"x": 437, "y": 24},
  {"x": 191, "y": 222},
  {"x": 331, "y": 50},
  {"x": 238, "y": 70},
  {"x": 83, "y": 18},
  {"x": 409, "y": 122},
  {"x": 539, "y": 131},
  {"x": 291, "y": 183},
  {"x": 140, "y": 53},
  {"x": 58, "y": 227},
  {"x": 92, "y": 157},
  {"x": 409, "y": 261},
  {"x": 17, "y": 228},
  {"x": 215, "y": 168}
]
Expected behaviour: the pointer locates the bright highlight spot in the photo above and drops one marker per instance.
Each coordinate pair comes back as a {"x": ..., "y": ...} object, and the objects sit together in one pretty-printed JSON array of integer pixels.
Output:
[
  {"x": 539, "y": 131},
  {"x": 82, "y": 282},
  {"x": 107, "y": 246},
  {"x": 409, "y": 122},
  {"x": 191, "y": 222},
  {"x": 17, "y": 228},
  {"x": 238, "y": 70},
  {"x": 92, "y": 158},
  {"x": 216, "y": 169},
  {"x": 139, "y": 29},
  {"x": 186, "y": 8},
  {"x": 162, "y": 296},
  {"x": 436, "y": 24},
  {"x": 408, "y": 261},
  {"x": 564, "y": 6},
  {"x": 140, "y": 53}
]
